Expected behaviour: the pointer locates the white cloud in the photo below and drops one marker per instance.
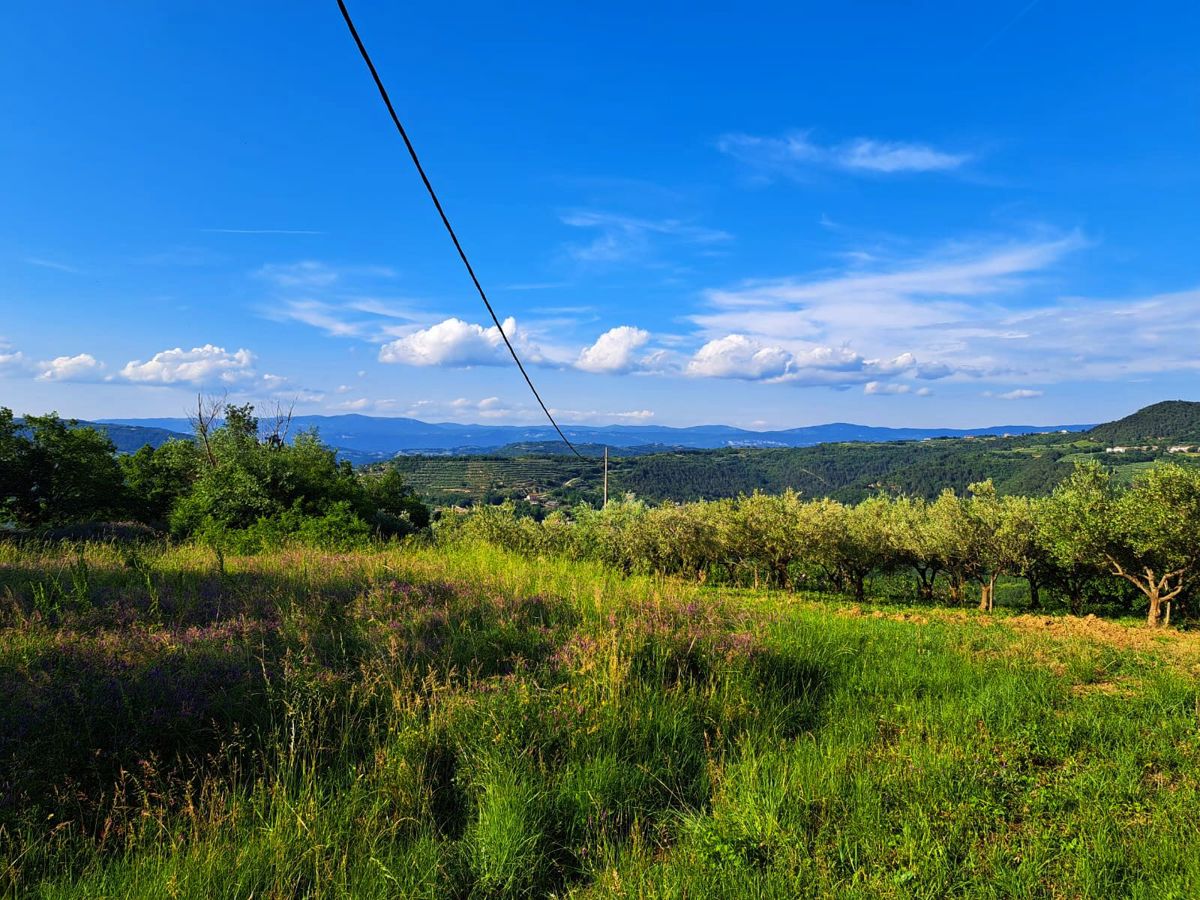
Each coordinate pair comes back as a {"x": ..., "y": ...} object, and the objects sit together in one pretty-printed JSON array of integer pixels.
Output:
[
  {"x": 939, "y": 316},
  {"x": 456, "y": 343},
  {"x": 753, "y": 359},
  {"x": 600, "y": 417},
  {"x": 51, "y": 264},
  {"x": 12, "y": 360},
  {"x": 795, "y": 155},
  {"x": 615, "y": 351},
  {"x": 1020, "y": 394},
  {"x": 332, "y": 320},
  {"x": 207, "y": 365},
  {"x": 304, "y": 274},
  {"x": 885, "y": 387},
  {"x": 737, "y": 356},
  {"x": 624, "y": 238},
  {"x": 83, "y": 367},
  {"x": 894, "y": 156},
  {"x": 357, "y": 405}
]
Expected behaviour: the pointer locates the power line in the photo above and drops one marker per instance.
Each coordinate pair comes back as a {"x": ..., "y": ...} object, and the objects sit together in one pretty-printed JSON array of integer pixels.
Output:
[{"x": 446, "y": 221}]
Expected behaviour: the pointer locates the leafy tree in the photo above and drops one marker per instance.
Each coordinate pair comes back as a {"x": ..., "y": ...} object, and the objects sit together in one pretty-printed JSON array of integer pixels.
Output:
[
  {"x": 1005, "y": 535},
  {"x": 771, "y": 532},
  {"x": 156, "y": 478},
  {"x": 1074, "y": 528},
  {"x": 853, "y": 541},
  {"x": 955, "y": 535},
  {"x": 1153, "y": 538},
  {"x": 396, "y": 508},
  {"x": 916, "y": 542},
  {"x": 14, "y": 451},
  {"x": 62, "y": 474}
]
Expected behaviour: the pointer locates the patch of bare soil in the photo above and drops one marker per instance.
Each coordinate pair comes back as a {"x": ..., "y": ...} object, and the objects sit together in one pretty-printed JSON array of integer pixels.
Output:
[{"x": 1180, "y": 649}]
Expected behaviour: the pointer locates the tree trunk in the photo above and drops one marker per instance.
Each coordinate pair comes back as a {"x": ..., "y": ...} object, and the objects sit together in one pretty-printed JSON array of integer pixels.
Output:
[
  {"x": 860, "y": 588},
  {"x": 1152, "y": 615},
  {"x": 957, "y": 587},
  {"x": 926, "y": 576},
  {"x": 1035, "y": 594},
  {"x": 987, "y": 594},
  {"x": 1158, "y": 591}
]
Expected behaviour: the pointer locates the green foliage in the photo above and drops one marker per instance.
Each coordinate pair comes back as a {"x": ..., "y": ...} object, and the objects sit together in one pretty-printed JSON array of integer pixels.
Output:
[
  {"x": 1074, "y": 544},
  {"x": 158, "y": 478},
  {"x": 230, "y": 487},
  {"x": 52, "y": 473},
  {"x": 1169, "y": 422}
]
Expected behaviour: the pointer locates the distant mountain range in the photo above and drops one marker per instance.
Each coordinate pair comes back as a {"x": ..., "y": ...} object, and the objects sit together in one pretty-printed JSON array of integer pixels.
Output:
[{"x": 364, "y": 438}]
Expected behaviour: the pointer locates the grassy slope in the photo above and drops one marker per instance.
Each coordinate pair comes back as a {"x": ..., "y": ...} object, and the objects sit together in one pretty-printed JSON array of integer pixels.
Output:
[{"x": 462, "y": 722}]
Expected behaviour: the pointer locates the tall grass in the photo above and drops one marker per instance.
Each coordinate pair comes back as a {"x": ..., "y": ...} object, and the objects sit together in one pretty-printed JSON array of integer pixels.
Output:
[{"x": 434, "y": 722}]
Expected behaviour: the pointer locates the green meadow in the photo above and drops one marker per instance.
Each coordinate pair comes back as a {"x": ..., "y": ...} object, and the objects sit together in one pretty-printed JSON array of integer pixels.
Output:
[{"x": 417, "y": 721}]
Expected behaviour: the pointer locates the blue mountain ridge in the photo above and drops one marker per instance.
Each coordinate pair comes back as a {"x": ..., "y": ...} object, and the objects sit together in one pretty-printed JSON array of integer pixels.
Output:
[{"x": 385, "y": 436}]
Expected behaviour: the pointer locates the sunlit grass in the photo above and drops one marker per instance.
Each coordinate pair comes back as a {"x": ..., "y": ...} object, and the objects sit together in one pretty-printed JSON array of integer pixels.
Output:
[{"x": 434, "y": 721}]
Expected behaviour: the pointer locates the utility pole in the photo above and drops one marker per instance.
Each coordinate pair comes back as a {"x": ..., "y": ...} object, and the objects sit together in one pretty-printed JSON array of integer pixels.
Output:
[{"x": 605, "y": 477}]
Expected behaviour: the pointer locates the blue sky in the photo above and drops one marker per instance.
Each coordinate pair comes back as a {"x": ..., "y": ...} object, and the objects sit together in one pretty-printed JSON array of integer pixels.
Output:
[{"x": 889, "y": 213}]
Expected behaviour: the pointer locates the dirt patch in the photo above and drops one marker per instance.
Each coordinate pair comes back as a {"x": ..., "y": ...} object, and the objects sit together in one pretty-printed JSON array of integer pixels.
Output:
[
  {"x": 1119, "y": 687},
  {"x": 1114, "y": 634},
  {"x": 857, "y": 612},
  {"x": 1180, "y": 649}
]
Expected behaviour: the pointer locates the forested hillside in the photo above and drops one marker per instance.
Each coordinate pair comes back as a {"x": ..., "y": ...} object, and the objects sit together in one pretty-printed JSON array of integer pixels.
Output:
[
  {"x": 1172, "y": 422},
  {"x": 1030, "y": 465}
]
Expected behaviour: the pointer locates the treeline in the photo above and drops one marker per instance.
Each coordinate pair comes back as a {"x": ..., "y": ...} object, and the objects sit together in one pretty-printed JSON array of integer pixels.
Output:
[
  {"x": 240, "y": 484},
  {"x": 1138, "y": 546}
]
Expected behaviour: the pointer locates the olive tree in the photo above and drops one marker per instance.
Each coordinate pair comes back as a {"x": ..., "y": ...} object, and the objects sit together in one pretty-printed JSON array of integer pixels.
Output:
[{"x": 1153, "y": 539}]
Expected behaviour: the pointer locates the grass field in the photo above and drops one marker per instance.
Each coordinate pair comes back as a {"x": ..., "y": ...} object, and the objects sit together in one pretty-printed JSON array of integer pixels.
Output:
[{"x": 441, "y": 722}]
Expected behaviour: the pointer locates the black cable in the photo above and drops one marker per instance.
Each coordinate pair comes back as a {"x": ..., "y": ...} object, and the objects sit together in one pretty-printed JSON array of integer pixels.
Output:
[{"x": 445, "y": 221}]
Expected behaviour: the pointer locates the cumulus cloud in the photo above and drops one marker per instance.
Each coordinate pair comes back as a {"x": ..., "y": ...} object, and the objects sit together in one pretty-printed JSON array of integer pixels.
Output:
[
  {"x": 83, "y": 367},
  {"x": 615, "y": 351},
  {"x": 751, "y": 359},
  {"x": 207, "y": 365},
  {"x": 456, "y": 343},
  {"x": 796, "y": 154},
  {"x": 737, "y": 356},
  {"x": 885, "y": 387},
  {"x": 11, "y": 360}
]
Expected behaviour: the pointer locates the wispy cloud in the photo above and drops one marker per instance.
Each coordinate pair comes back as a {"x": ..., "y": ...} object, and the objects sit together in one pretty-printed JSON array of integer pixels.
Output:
[
  {"x": 623, "y": 238},
  {"x": 304, "y": 274},
  {"x": 928, "y": 318},
  {"x": 333, "y": 320},
  {"x": 1018, "y": 394},
  {"x": 43, "y": 263},
  {"x": 981, "y": 310},
  {"x": 796, "y": 155}
]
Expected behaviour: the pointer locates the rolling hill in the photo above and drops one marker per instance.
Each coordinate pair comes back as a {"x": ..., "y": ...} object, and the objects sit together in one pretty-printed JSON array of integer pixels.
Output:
[
  {"x": 847, "y": 470},
  {"x": 1171, "y": 422},
  {"x": 372, "y": 437}
]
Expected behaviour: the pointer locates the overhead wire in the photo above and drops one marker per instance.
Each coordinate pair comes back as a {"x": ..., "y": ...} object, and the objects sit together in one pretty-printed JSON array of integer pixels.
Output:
[{"x": 446, "y": 221}]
